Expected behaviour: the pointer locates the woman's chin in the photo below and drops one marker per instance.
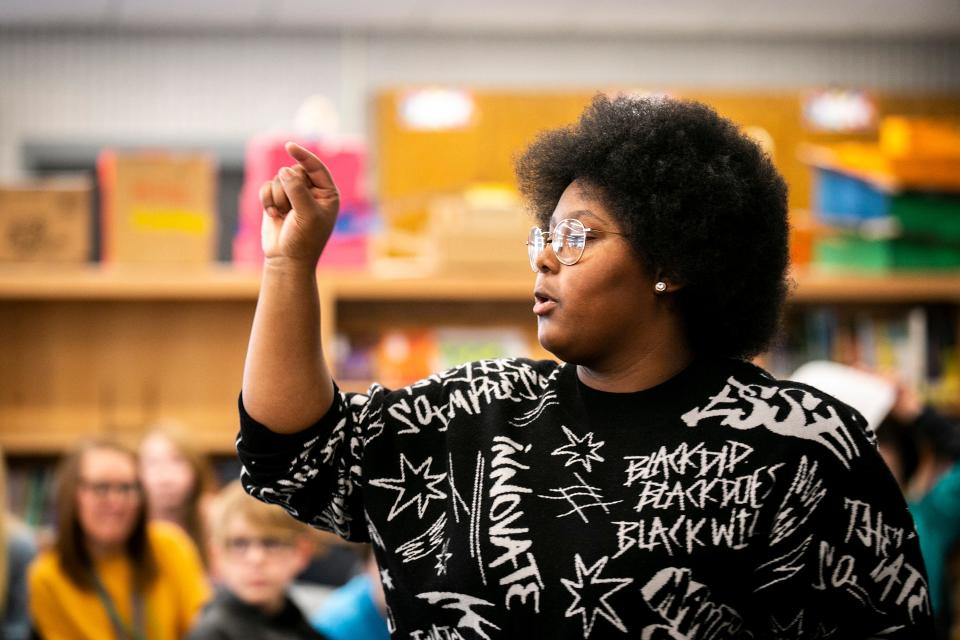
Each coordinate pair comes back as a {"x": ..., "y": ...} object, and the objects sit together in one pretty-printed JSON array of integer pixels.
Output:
[
  {"x": 554, "y": 344},
  {"x": 109, "y": 539},
  {"x": 545, "y": 338}
]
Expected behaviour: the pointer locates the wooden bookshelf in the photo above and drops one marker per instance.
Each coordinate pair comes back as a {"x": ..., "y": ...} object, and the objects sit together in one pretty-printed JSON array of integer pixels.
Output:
[
  {"x": 25, "y": 282},
  {"x": 22, "y": 282},
  {"x": 106, "y": 350},
  {"x": 814, "y": 287}
]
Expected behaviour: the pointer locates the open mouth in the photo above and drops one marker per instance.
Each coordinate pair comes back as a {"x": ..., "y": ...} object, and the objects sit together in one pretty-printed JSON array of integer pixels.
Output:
[{"x": 542, "y": 303}]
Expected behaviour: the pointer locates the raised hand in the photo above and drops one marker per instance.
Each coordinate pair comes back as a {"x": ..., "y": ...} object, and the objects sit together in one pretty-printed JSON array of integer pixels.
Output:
[{"x": 300, "y": 209}]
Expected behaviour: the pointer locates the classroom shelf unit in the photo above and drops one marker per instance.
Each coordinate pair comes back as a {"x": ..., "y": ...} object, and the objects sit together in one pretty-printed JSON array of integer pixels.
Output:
[{"x": 106, "y": 350}]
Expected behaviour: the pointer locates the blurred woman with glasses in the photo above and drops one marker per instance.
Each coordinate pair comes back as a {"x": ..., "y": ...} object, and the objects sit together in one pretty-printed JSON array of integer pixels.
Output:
[
  {"x": 652, "y": 484},
  {"x": 110, "y": 573}
]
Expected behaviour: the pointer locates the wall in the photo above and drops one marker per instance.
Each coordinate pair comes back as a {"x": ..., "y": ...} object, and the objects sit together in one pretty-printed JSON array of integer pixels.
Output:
[{"x": 90, "y": 86}]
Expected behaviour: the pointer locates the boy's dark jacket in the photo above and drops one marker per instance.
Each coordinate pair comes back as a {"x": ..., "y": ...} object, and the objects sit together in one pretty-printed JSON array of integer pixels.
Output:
[{"x": 227, "y": 617}]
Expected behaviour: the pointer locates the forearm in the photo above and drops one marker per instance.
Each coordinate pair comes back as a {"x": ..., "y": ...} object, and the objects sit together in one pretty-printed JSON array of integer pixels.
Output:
[{"x": 286, "y": 382}]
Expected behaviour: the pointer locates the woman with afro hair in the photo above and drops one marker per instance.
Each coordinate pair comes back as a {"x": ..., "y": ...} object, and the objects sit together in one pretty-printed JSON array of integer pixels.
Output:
[{"x": 652, "y": 484}]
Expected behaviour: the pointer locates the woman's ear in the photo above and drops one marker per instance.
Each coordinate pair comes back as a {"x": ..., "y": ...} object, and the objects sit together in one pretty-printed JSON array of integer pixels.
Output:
[
  {"x": 664, "y": 283},
  {"x": 304, "y": 549}
]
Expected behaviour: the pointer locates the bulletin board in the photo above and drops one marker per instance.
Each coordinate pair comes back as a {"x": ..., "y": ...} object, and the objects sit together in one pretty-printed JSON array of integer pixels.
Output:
[{"x": 412, "y": 165}]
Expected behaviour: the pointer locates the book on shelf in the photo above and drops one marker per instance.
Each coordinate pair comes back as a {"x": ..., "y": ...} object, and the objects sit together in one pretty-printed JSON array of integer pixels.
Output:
[
  {"x": 917, "y": 345},
  {"x": 400, "y": 356},
  {"x": 30, "y": 493}
]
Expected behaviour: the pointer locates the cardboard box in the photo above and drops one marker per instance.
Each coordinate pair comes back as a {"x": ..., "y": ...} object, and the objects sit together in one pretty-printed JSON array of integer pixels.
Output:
[
  {"x": 158, "y": 207},
  {"x": 45, "y": 222},
  {"x": 483, "y": 230}
]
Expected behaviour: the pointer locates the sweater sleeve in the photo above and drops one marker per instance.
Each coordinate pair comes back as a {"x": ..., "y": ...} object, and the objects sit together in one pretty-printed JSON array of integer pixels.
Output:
[
  {"x": 843, "y": 558},
  {"x": 314, "y": 474},
  {"x": 327, "y": 474}
]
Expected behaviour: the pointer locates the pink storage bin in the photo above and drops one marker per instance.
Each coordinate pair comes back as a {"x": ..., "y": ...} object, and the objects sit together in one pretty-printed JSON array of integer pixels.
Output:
[
  {"x": 246, "y": 248},
  {"x": 343, "y": 251},
  {"x": 265, "y": 156}
]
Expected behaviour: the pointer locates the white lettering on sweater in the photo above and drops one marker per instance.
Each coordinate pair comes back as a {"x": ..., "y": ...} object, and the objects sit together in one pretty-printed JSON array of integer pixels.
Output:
[
  {"x": 732, "y": 531},
  {"x": 686, "y": 459},
  {"x": 466, "y": 605},
  {"x": 513, "y": 382},
  {"x": 505, "y": 514},
  {"x": 801, "y": 500},
  {"x": 870, "y": 529},
  {"x": 791, "y": 411},
  {"x": 687, "y": 607},
  {"x": 748, "y": 490}
]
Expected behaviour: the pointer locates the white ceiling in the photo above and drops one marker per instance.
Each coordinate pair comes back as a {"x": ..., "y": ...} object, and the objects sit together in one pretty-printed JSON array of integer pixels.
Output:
[{"x": 889, "y": 18}]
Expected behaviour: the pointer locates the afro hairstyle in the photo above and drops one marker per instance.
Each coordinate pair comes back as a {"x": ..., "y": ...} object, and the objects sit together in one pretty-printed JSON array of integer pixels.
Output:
[{"x": 699, "y": 201}]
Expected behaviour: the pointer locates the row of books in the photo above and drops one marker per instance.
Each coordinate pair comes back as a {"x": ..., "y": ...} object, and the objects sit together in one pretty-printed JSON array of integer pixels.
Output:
[
  {"x": 399, "y": 357},
  {"x": 917, "y": 345},
  {"x": 30, "y": 491}
]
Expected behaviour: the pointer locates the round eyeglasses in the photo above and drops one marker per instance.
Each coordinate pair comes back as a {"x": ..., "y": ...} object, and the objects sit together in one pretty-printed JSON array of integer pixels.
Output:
[
  {"x": 270, "y": 545},
  {"x": 101, "y": 490},
  {"x": 568, "y": 240}
]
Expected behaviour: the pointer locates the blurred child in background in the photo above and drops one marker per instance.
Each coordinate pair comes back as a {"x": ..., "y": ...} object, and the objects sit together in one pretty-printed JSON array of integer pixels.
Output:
[
  {"x": 256, "y": 552},
  {"x": 334, "y": 562},
  {"x": 178, "y": 480},
  {"x": 357, "y": 610},
  {"x": 111, "y": 574},
  {"x": 20, "y": 550}
]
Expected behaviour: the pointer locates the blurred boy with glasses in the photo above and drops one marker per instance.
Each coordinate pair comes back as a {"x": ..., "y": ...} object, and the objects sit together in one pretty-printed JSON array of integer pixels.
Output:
[{"x": 256, "y": 551}]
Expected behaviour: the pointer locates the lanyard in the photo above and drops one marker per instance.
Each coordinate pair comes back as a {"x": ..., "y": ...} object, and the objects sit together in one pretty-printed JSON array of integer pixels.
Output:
[{"x": 120, "y": 629}]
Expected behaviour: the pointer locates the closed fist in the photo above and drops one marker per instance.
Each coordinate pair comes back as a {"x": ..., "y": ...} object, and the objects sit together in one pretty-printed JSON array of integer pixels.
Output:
[{"x": 300, "y": 209}]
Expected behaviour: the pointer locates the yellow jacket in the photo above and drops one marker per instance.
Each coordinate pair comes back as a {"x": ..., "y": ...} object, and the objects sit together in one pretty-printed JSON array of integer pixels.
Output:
[{"x": 62, "y": 611}]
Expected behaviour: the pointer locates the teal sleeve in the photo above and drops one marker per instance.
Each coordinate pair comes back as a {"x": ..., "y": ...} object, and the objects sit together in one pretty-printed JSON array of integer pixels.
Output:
[{"x": 937, "y": 516}]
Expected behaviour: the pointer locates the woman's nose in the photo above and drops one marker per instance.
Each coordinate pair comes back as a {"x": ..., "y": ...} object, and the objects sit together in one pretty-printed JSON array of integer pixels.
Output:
[{"x": 547, "y": 260}]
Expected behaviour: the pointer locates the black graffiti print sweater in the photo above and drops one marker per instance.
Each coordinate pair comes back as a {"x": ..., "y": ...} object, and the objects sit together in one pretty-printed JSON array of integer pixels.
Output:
[{"x": 505, "y": 498}]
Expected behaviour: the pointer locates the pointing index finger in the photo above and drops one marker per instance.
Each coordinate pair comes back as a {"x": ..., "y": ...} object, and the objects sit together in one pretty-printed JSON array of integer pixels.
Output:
[{"x": 316, "y": 170}]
